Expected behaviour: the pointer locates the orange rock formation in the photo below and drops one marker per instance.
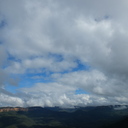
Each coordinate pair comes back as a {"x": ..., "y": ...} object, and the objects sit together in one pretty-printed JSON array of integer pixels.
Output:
[{"x": 7, "y": 109}]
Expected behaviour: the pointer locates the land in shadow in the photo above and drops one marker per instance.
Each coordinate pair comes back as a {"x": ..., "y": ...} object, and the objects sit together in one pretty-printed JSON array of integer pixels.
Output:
[{"x": 55, "y": 117}]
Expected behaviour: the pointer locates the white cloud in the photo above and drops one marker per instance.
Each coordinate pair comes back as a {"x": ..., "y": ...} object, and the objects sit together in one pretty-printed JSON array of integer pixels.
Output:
[
  {"x": 120, "y": 107},
  {"x": 37, "y": 33},
  {"x": 7, "y": 100}
]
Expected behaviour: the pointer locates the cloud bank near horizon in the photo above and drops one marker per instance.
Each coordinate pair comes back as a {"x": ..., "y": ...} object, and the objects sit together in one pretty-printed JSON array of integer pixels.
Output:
[{"x": 50, "y": 49}]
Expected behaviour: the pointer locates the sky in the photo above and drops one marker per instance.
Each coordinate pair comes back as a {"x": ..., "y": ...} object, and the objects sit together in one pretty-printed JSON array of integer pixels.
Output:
[{"x": 63, "y": 52}]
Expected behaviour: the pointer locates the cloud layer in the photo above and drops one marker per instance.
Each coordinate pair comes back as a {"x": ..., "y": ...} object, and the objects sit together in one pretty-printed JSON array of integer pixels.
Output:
[{"x": 63, "y": 46}]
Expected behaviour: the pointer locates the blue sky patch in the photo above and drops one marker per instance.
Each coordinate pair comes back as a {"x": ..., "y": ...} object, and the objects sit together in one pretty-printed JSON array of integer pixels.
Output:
[
  {"x": 80, "y": 91},
  {"x": 81, "y": 66}
]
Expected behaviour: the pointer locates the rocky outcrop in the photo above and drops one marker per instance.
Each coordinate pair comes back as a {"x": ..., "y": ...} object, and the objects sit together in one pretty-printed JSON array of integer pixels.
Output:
[{"x": 7, "y": 109}]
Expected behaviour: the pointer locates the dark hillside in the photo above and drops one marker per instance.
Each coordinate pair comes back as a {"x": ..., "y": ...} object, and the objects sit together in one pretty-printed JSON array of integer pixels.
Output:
[{"x": 80, "y": 117}]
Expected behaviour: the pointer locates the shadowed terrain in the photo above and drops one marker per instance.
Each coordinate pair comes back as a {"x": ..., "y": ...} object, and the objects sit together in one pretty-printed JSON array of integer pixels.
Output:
[{"x": 55, "y": 117}]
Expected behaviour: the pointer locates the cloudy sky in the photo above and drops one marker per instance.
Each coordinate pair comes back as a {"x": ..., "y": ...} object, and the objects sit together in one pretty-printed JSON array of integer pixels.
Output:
[{"x": 63, "y": 52}]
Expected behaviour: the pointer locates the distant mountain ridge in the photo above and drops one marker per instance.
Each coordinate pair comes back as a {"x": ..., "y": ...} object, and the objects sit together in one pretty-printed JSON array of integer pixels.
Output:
[{"x": 33, "y": 108}]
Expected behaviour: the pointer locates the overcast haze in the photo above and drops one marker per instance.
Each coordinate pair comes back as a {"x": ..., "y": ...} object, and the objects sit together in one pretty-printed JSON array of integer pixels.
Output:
[{"x": 63, "y": 52}]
